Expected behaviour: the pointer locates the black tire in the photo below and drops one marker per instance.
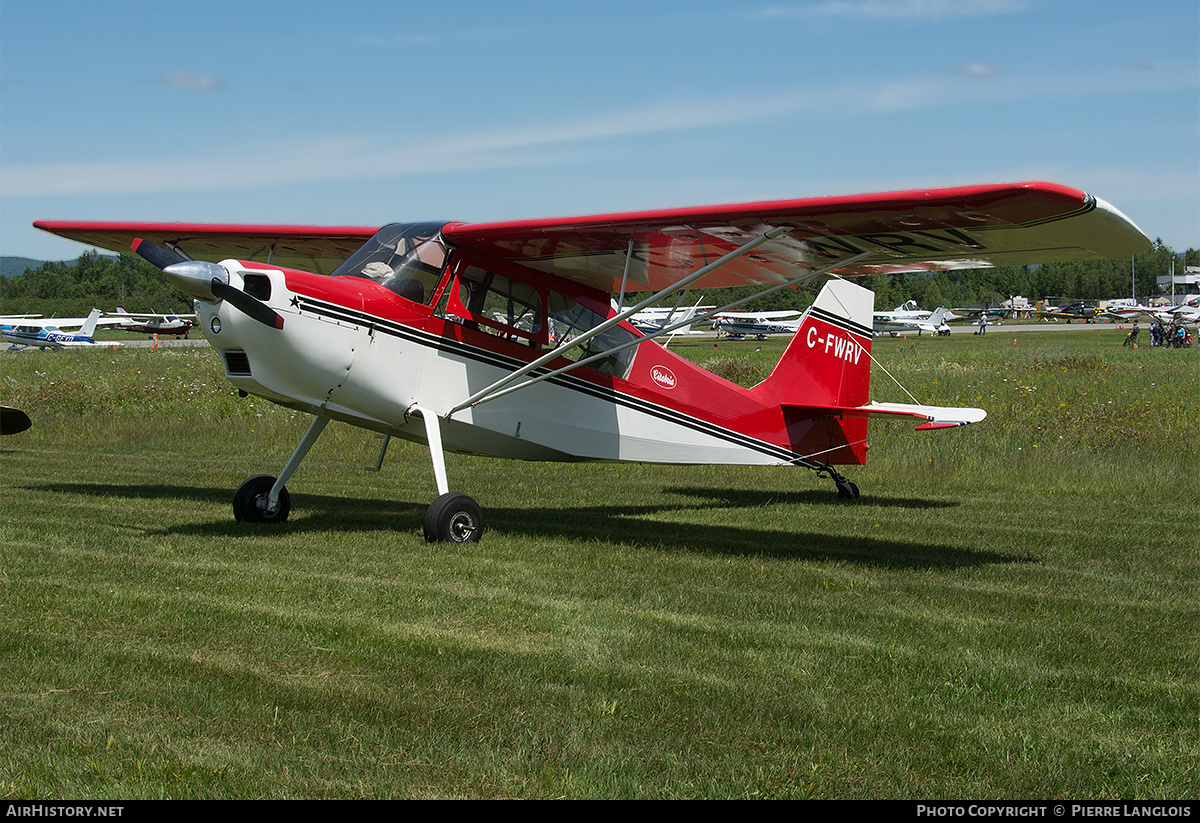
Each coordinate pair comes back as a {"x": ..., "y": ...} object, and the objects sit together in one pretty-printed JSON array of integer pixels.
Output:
[
  {"x": 847, "y": 490},
  {"x": 453, "y": 518},
  {"x": 245, "y": 501}
]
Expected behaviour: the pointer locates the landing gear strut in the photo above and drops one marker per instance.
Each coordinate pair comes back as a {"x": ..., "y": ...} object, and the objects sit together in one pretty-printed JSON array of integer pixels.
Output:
[
  {"x": 264, "y": 499},
  {"x": 453, "y": 518}
]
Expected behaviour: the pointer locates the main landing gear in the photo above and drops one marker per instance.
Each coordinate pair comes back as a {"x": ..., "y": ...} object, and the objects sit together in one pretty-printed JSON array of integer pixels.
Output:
[{"x": 453, "y": 518}]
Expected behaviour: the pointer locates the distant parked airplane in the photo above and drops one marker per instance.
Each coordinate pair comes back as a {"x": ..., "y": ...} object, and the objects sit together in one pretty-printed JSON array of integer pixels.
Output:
[
  {"x": 760, "y": 324},
  {"x": 908, "y": 318},
  {"x": 155, "y": 323},
  {"x": 50, "y": 334}
]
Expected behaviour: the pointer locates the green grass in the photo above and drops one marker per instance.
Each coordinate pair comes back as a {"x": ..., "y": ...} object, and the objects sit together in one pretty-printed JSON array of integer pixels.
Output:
[{"x": 1009, "y": 612}]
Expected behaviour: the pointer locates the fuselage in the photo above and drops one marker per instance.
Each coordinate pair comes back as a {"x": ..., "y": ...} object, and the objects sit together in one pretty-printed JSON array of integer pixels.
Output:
[
  {"x": 357, "y": 353},
  {"x": 353, "y": 350}
]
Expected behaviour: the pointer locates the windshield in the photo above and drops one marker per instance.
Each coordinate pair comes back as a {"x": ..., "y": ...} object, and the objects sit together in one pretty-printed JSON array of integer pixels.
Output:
[{"x": 407, "y": 258}]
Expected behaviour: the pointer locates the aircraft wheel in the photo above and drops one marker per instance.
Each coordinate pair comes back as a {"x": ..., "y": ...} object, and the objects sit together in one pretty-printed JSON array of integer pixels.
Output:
[
  {"x": 847, "y": 490},
  {"x": 453, "y": 518},
  {"x": 245, "y": 501}
]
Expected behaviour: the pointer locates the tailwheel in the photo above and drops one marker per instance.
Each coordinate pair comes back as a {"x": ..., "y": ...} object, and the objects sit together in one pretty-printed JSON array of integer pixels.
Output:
[
  {"x": 453, "y": 518},
  {"x": 846, "y": 489},
  {"x": 251, "y": 499}
]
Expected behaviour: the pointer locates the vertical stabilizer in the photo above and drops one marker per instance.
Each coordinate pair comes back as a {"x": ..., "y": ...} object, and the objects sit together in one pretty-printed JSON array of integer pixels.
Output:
[
  {"x": 89, "y": 325},
  {"x": 824, "y": 373},
  {"x": 828, "y": 362}
]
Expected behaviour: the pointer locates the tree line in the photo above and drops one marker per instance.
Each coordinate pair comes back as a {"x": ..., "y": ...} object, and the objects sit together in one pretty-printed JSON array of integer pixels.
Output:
[
  {"x": 105, "y": 282},
  {"x": 94, "y": 281}
]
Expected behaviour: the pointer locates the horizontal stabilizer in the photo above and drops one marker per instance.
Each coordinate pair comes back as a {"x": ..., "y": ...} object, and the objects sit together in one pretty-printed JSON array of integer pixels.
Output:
[{"x": 935, "y": 417}]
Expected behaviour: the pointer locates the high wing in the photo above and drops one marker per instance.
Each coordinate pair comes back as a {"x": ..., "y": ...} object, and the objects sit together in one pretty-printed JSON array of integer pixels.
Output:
[
  {"x": 319, "y": 249},
  {"x": 971, "y": 227},
  {"x": 968, "y": 227}
]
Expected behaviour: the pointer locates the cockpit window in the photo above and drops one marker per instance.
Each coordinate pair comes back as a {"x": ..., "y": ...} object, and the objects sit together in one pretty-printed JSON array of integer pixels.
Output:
[{"x": 406, "y": 258}]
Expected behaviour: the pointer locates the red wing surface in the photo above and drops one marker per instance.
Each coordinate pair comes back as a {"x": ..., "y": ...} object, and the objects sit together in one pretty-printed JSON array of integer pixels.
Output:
[{"x": 972, "y": 227}]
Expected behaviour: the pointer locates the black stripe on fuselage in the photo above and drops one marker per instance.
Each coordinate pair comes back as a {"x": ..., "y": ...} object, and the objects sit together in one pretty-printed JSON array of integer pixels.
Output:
[{"x": 332, "y": 311}]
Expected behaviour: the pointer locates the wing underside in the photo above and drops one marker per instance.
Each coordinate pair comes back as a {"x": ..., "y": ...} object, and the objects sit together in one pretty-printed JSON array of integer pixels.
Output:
[
  {"x": 319, "y": 249},
  {"x": 973, "y": 227},
  {"x": 969, "y": 227}
]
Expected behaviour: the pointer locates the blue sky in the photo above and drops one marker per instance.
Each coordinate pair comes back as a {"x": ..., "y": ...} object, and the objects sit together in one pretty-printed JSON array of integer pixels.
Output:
[{"x": 363, "y": 113}]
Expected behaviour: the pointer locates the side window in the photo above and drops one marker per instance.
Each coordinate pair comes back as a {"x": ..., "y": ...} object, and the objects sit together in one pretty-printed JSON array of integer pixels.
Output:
[
  {"x": 510, "y": 307},
  {"x": 569, "y": 319}
]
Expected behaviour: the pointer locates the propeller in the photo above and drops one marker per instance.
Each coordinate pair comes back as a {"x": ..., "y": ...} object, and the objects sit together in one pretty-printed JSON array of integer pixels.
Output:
[
  {"x": 160, "y": 256},
  {"x": 247, "y": 305},
  {"x": 205, "y": 281}
]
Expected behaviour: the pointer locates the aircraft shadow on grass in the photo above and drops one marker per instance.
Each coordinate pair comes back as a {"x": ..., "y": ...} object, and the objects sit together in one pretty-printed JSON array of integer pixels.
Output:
[{"x": 633, "y": 525}]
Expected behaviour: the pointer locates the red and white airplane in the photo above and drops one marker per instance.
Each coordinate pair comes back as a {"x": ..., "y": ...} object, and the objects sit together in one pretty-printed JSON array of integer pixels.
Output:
[{"x": 514, "y": 339}]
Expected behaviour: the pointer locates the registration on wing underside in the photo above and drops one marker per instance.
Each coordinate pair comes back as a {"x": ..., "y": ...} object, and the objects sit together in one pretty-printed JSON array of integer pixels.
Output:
[{"x": 780, "y": 259}]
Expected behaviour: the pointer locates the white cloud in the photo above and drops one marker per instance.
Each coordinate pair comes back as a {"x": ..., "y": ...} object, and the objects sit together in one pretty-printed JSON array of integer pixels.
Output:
[
  {"x": 192, "y": 81},
  {"x": 243, "y": 165},
  {"x": 900, "y": 9},
  {"x": 979, "y": 70}
]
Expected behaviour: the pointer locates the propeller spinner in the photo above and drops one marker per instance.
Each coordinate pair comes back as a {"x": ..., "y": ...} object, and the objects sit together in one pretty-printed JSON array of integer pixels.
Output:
[{"x": 205, "y": 281}]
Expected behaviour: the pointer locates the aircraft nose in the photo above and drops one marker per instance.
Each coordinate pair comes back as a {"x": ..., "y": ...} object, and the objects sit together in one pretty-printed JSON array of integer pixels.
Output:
[{"x": 195, "y": 278}]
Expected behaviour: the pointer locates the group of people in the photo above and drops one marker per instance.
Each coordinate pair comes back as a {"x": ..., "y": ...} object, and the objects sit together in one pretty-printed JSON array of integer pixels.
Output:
[{"x": 1173, "y": 335}]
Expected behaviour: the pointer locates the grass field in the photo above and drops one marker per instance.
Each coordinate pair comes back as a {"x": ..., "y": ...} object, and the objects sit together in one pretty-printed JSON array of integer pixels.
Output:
[{"x": 1010, "y": 611}]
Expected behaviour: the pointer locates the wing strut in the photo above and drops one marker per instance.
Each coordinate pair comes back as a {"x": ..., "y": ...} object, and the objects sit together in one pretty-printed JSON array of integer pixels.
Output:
[
  {"x": 620, "y": 317},
  {"x": 625, "y": 272},
  {"x": 498, "y": 390}
]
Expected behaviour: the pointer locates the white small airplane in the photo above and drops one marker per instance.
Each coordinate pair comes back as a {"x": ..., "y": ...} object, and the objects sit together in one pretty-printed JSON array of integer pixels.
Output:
[
  {"x": 758, "y": 324},
  {"x": 51, "y": 334},
  {"x": 398, "y": 330},
  {"x": 908, "y": 319},
  {"x": 175, "y": 324},
  {"x": 1127, "y": 309},
  {"x": 649, "y": 321},
  {"x": 1188, "y": 312},
  {"x": 902, "y": 313}
]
